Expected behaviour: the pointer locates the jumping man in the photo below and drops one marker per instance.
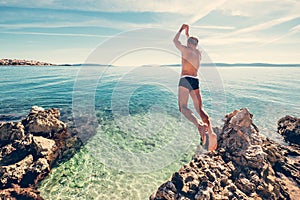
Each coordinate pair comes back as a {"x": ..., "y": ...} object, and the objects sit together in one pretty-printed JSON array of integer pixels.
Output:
[{"x": 189, "y": 86}]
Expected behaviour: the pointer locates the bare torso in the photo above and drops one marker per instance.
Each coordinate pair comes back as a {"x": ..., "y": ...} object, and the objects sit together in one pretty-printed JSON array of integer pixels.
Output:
[{"x": 190, "y": 61}]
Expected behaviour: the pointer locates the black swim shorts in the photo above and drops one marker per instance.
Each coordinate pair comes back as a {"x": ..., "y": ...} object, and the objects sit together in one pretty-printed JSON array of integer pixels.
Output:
[{"x": 190, "y": 83}]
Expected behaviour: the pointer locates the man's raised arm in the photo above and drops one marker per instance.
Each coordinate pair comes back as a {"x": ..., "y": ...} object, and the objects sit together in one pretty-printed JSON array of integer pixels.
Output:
[{"x": 176, "y": 38}]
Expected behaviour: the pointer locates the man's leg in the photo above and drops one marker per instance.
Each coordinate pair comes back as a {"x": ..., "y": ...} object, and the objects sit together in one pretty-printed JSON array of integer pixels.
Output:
[
  {"x": 196, "y": 97},
  {"x": 183, "y": 97}
]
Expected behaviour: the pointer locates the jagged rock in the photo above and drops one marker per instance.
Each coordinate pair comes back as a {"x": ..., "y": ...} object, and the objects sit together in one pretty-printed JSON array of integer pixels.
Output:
[
  {"x": 45, "y": 148},
  {"x": 11, "y": 131},
  {"x": 29, "y": 148},
  {"x": 246, "y": 165},
  {"x": 35, "y": 172},
  {"x": 13, "y": 174},
  {"x": 18, "y": 193},
  {"x": 43, "y": 123},
  {"x": 289, "y": 127},
  {"x": 16, "y": 151}
]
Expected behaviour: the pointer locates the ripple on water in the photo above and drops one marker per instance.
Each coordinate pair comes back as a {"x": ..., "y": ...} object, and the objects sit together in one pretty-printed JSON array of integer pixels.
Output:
[
  {"x": 85, "y": 176},
  {"x": 269, "y": 93}
]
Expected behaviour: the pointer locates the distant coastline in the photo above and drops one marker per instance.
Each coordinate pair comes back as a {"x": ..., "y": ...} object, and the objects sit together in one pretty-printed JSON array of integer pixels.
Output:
[
  {"x": 244, "y": 65},
  {"x": 5, "y": 62},
  {"x": 22, "y": 62}
]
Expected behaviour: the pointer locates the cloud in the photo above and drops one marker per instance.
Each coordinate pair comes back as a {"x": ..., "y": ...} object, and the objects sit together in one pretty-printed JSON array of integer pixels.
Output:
[
  {"x": 292, "y": 31},
  {"x": 259, "y": 8},
  {"x": 214, "y": 27},
  {"x": 223, "y": 24},
  {"x": 266, "y": 25},
  {"x": 170, "y": 6},
  {"x": 206, "y": 8},
  {"x": 261, "y": 19},
  {"x": 55, "y": 34},
  {"x": 184, "y": 11},
  {"x": 295, "y": 29},
  {"x": 252, "y": 36}
]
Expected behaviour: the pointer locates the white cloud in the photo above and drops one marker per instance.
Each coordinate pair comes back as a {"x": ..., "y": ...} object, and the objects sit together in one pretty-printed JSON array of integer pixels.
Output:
[
  {"x": 292, "y": 31},
  {"x": 214, "y": 27},
  {"x": 265, "y": 19},
  {"x": 170, "y": 6},
  {"x": 226, "y": 37},
  {"x": 295, "y": 29},
  {"x": 55, "y": 34},
  {"x": 204, "y": 9},
  {"x": 266, "y": 25},
  {"x": 259, "y": 8},
  {"x": 192, "y": 9}
]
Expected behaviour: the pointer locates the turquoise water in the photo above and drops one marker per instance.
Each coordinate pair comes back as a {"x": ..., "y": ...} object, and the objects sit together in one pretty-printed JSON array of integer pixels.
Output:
[{"x": 141, "y": 138}]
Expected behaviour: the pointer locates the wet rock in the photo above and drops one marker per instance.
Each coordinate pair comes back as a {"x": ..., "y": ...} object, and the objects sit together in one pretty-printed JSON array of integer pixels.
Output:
[
  {"x": 289, "y": 127},
  {"x": 246, "y": 165},
  {"x": 28, "y": 149}
]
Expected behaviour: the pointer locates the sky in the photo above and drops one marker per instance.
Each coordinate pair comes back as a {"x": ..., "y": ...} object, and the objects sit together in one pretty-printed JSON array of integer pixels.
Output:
[{"x": 229, "y": 31}]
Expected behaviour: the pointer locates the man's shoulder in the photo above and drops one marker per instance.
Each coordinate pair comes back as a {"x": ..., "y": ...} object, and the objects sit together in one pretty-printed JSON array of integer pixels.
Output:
[{"x": 184, "y": 48}]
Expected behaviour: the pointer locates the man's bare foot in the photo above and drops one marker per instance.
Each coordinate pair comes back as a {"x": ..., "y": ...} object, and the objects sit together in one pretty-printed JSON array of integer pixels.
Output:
[
  {"x": 202, "y": 128},
  {"x": 212, "y": 142}
]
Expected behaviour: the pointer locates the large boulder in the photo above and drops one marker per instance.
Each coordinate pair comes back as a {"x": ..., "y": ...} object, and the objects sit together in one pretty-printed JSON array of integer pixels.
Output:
[
  {"x": 28, "y": 149},
  {"x": 44, "y": 123},
  {"x": 246, "y": 165},
  {"x": 13, "y": 174},
  {"x": 16, "y": 151},
  {"x": 11, "y": 131},
  {"x": 289, "y": 128}
]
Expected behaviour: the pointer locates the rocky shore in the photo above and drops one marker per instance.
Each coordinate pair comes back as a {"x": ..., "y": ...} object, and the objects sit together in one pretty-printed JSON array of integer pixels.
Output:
[
  {"x": 23, "y": 62},
  {"x": 28, "y": 150},
  {"x": 246, "y": 165}
]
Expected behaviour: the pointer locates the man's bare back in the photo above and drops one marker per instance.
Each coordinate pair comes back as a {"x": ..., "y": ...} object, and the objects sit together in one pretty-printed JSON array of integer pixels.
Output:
[
  {"x": 189, "y": 86},
  {"x": 190, "y": 62}
]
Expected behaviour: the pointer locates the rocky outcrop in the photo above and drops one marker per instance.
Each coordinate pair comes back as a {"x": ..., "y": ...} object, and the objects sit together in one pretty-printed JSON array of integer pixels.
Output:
[
  {"x": 17, "y": 193},
  {"x": 289, "y": 128},
  {"x": 28, "y": 149},
  {"x": 246, "y": 165},
  {"x": 23, "y": 62}
]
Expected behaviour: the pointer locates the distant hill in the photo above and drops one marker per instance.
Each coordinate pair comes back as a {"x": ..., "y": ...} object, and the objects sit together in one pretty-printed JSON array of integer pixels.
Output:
[
  {"x": 23, "y": 62},
  {"x": 4, "y": 62},
  {"x": 243, "y": 65},
  {"x": 253, "y": 65}
]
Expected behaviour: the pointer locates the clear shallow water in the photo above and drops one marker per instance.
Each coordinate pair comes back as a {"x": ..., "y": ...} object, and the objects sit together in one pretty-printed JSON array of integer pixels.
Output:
[{"x": 141, "y": 138}]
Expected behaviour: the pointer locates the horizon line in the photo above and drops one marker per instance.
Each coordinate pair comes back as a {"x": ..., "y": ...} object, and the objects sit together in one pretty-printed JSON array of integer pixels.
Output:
[
  {"x": 202, "y": 64},
  {"x": 172, "y": 64}
]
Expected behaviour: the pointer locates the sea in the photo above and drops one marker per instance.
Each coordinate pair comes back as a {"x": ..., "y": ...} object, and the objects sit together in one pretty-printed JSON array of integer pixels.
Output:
[{"x": 128, "y": 118}]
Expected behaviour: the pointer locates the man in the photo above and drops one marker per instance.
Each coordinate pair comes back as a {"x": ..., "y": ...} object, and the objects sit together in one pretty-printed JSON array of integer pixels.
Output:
[{"x": 189, "y": 86}]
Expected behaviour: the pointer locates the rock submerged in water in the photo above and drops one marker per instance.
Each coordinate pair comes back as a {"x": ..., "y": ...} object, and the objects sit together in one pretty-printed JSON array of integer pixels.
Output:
[
  {"x": 28, "y": 149},
  {"x": 246, "y": 165}
]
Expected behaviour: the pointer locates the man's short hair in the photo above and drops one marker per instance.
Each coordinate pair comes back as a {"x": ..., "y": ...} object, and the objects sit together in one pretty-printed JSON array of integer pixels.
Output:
[{"x": 193, "y": 40}]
